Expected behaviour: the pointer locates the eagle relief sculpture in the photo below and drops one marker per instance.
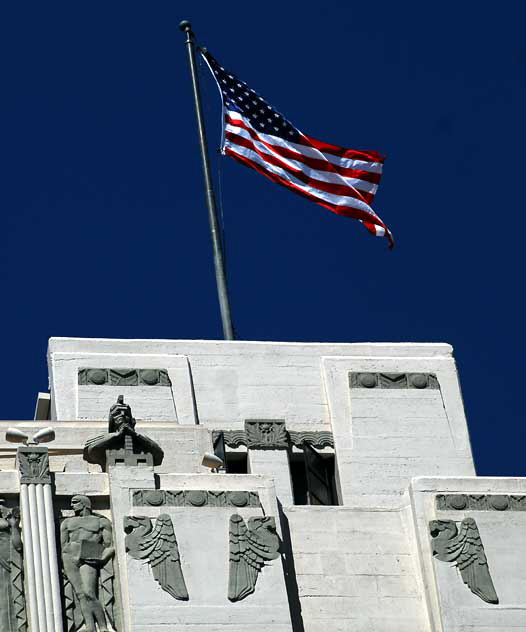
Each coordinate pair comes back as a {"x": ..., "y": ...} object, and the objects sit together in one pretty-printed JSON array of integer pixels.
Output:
[
  {"x": 158, "y": 545},
  {"x": 250, "y": 548},
  {"x": 463, "y": 546}
]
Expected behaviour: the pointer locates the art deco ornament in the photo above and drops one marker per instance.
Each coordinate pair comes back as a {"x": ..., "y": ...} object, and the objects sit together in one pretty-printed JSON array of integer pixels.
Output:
[
  {"x": 12, "y": 603},
  {"x": 87, "y": 560},
  {"x": 121, "y": 444},
  {"x": 464, "y": 547},
  {"x": 250, "y": 549},
  {"x": 158, "y": 545}
]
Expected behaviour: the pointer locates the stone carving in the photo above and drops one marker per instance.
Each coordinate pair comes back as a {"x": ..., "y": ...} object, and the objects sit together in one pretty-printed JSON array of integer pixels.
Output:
[
  {"x": 266, "y": 433},
  {"x": 122, "y": 445},
  {"x": 393, "y": 380},
  {"x": 317, "y": 438},
  {"x": 123, "y": 377},
  {"x": 480, "y": 502},
  {"x": 33, "y": 463},
  {"x": 157, "y": 545},
  {"x": 12, "y": 602},
  {"x": 464, "y": 547},
  {"x": 87, "y": 560},
  {"x": 233, "y": 438},
  {"x": 194, "y": 498},
  {"x": 250, "y": 548}
]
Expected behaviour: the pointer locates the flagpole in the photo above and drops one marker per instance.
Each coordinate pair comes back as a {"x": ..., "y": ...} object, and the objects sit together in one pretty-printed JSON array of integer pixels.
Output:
[{"x": 222, "y": 292}]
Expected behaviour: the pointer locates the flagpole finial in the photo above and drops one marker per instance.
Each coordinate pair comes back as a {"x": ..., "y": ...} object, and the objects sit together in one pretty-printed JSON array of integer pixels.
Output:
[{"x": 185, "y": 26}]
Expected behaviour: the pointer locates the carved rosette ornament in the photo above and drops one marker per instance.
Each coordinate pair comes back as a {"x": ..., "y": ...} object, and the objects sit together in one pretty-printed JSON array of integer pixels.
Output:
[
  {"x": 158, "y": 546},
  {"x": 251, "y": 547},
  {"x": 461, "y": 543}
]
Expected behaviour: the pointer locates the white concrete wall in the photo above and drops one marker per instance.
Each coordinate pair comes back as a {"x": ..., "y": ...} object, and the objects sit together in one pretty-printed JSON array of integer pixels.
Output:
[
  {"x": 203, "y": 539},
  {"x": 233, "y": 381},
  {"x": 452, "y": 606},
  {"x": 384, "y": 437},
  {"x": 356, "y": 570},
  {"x": 148, "y": 402}
]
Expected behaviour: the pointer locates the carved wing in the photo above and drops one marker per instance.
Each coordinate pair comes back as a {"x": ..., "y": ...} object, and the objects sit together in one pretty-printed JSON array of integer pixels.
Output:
[
  {"x": 464, "y": 547},
  {"x": 160, "y": 546},
  {"x": 250, "y": 548},
  {"x": 472, "y": 562}
]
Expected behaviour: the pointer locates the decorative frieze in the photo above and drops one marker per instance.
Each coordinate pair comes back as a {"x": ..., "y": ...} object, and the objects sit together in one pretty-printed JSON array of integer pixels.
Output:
[
  {"x": 317, "y": 439},
  {"x": 33, "y": 464},
  {"x": 194, "y": 498},
  {"x": 270, "y": 434},
  {"x": 480, "y": 502},
  {"x": 123, "y": 377},
  {"x": 393, "y": 380},
  {"x": 233, "y": 438}
]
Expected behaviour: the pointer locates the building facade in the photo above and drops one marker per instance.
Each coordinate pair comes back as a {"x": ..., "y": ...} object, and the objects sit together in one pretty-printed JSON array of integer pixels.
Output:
[{"x": 219, "y": 486}]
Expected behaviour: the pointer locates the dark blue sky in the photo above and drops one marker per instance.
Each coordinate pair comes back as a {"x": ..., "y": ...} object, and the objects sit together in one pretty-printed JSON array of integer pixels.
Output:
[{"x": 103, "y": 215}]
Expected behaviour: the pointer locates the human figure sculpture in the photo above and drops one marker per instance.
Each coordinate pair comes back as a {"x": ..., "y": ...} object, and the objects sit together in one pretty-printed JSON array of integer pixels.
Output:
[
  {"x": 87, "y": 558},
  {"x": 120, "y": 416},
  {"x": 121, "y": 443},
  {"x": 12, "y": 603}
]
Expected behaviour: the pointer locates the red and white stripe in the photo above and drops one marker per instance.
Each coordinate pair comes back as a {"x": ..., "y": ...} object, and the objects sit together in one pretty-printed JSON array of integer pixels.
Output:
[{"x": 342, "y": 180}]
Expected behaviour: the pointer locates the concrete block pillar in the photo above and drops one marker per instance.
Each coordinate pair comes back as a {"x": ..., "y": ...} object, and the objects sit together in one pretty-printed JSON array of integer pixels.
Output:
[
  {"x": 268, "y": 445},
  {"x": 273, "y": 463}
]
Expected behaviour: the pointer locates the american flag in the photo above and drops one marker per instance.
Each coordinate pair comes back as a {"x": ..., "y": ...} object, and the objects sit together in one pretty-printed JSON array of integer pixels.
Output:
[{"x": 256, "y": 135}]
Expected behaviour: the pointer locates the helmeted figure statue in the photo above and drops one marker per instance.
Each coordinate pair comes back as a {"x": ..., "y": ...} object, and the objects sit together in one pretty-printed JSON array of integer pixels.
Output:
[
  {"x": 12, "y": 602},
  {"x": 121, "y": 444},
  {"x": 87, "y": 559}
]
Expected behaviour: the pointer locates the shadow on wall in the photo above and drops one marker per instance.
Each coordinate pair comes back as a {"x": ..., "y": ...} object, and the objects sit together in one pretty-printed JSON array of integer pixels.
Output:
[{"x": 289, "y": 570}]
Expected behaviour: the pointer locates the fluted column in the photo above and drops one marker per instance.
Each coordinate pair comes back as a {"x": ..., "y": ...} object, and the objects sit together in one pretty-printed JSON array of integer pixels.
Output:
[{"x": 40, "y": 550}]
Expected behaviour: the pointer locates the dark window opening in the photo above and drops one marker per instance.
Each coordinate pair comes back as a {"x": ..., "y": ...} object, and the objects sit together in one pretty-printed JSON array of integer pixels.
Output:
[
  {"x": 313, "y": 480},
  {"x": 236, "y": 462}
]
